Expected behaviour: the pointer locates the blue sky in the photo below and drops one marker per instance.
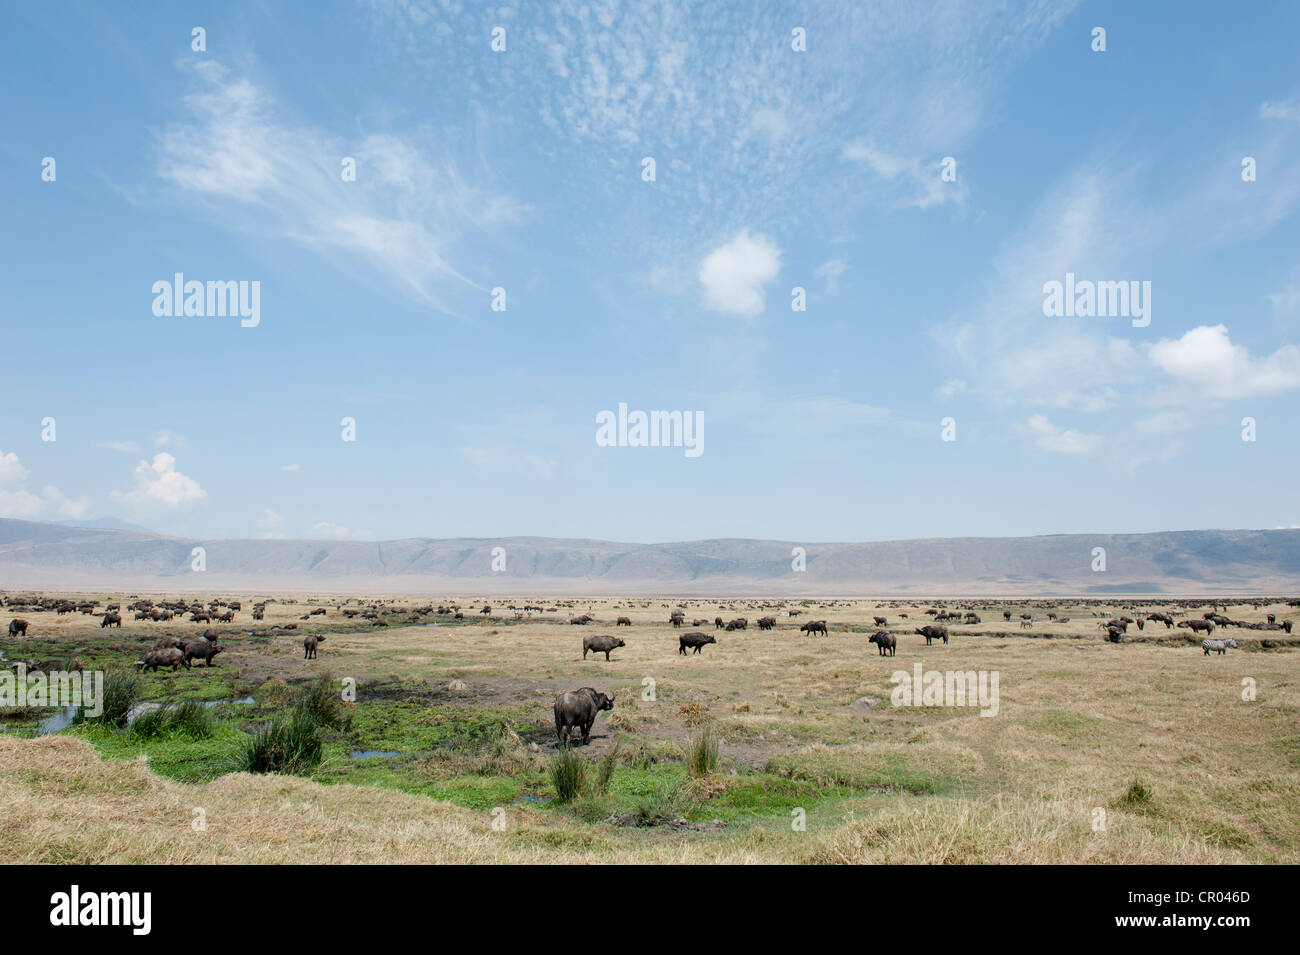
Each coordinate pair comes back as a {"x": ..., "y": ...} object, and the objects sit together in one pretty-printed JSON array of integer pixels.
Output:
[{"x": 774, "y": 169}]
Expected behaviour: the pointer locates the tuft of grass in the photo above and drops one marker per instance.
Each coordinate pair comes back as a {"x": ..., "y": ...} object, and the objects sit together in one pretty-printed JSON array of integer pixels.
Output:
[
  {"x": 702, "y": 757},
  {"x": 605, "y": 768},
  {"x": 1137, "y": 797},
  {"x": 670, "y": 800},
  {"x": 123, "y": 689},
  {"x": 289, "y": 744},
  {"x": 322, "y": 704},
  {"x": 186, "y": 719},
  {"x": 568, "y": 772}
]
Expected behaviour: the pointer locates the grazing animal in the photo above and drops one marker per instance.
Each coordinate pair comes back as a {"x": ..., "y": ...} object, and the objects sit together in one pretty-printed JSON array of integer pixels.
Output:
[
  {"x": 1026, "y": 622},
  {"x": 1114, "y": 634},
  {"x": 886, "y": 643},
  {"x": 200, "y": 649},
  {"x": 1164, "y": 618},
  {"x": 17, "y": 627},
  {"x": 1218, "y": 646},
  {"x": 717, "y": 623},
  {"x": 579, "y": 708},
  {"x": 1120, "y": 622},
  {"x": 600, "y": 643},
  {"x": 166, "y": 657},
  {"x": 972, "y": 618},
  {"x": 259, "y": 614},
  {"x": 933, "y": 633},
  {"x": 880, "y": 621},
  {"x": 623, "y": 622},
  {"x": 766, "y": 623},
  {"x": 111, "y": 620},
  {"x": 814, "y": 626},
  {"x": 163, "y": 643},
  {"x": 309, "y": 643},
  {"x": 1006, "y": 615},
  {"x": 695, "y": 638},
  {"x": 1197, "y": 626},
  {"x": 677, "y": 618}
]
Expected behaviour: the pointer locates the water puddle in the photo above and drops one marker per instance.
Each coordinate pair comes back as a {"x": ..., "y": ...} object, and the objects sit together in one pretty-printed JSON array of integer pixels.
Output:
[{"x": 373, "y": 753}]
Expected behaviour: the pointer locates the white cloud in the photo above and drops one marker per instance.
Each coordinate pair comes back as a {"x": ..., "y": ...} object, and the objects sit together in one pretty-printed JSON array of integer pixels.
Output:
[
  {"x": 160, "y": 485},
  {"x": 920, "y": 183},
  {"x": 733, "y": 275},
  {"x": 164, "y": 439},
  {"x": 509, "y": 461},
  {"x": 11, "y": 471},
  {"x": 18, "y": 502},
  {"x": 291, "y": 468},
  {"x": 1054, "y": 440},
  {"x": 950, "y": 388},
  {"x": 401, "y": 216},
  {"x": 269, "y": 525},
  {"x": 337, "y": 531},
  {"x": 830, "y": 273},
  {"x": 1206, "y": 359}
]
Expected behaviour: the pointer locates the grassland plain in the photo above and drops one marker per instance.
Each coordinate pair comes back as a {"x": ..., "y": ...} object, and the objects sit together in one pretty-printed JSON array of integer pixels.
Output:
[{"x": 1139, "y": 752}]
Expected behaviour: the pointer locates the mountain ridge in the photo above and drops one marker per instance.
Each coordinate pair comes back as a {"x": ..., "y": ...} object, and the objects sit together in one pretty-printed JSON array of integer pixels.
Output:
[{"x": 36, "y": 554}]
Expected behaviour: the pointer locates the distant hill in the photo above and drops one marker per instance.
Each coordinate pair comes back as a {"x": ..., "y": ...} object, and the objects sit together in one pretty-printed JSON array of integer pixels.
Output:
[
  {"x": 36, "y": 554},
  {"x": 108, "y": 524}
]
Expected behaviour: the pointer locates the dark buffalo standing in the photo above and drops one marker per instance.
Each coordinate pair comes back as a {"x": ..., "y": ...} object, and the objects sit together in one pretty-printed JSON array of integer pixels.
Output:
[
  {"x": 579, "y": 708},
  {"x": 1164, "y": 618},
  {"x": 111, "y": 620},
  {"x": 933, "y": 633},
  {"x": 1006, "y": 615},
  {"x": 600, "y": 643},
  {"x": 814, "y": 626},
  {"x": 696, "y": 638},
  {"x": 717, "y": 623},
  {"x": 200, "y": 649},
  {"x": 738, "y": 624},
  {"x": 623, "y": 622},
  {"x": 1114, "y": 634},
  {"x": 1197, "y": 625},
  {"x": 17, "y": 627},
  {"x": 766, "y": 623},
  {"x": 165, "y": 657},
  {"x": 886, "y": 643},
  {"x": 880, "y": 621},
  {"x": 309, "y": 643}
]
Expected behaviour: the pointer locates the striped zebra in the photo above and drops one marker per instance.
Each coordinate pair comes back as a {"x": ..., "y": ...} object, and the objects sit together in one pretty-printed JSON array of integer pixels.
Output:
[{"x": 1218, "y": 646}]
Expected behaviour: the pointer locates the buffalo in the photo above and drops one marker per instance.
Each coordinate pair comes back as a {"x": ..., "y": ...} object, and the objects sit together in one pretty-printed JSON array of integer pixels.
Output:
[
  {"x": 814, "y": 626},
  {"x": 165, "y": 657},
  {"x": 880, "y": 621},
  {"x": 886, "y": 643},
  {"x": 695, "y": 638},
  {"x": 200, "y": 648},
  {"x": 111, "y": 620},
  {"x": 766, "y": 623},
  {"x": 933, "y": 633},
  {"x": 579, "y": 708},
  {"x": 623, "y": 622},
  {"x": 1197, "y": 625},
  {"x": 17, "y": 627},
  {"x": 600, "y": 643}
]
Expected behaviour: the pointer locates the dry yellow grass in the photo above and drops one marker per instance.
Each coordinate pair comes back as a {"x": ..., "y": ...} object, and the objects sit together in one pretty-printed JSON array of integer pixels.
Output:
[{"x": 1080, "y": 721}]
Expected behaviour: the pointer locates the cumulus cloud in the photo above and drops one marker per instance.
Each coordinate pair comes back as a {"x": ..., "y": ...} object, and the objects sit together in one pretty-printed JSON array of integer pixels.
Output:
[
  {"x": 269, "y": 524},
  {"x": 1054, "y": 440},
  {"x": 18, "y": 502},
  {"x": 733, "y": 275},
  {"x": 160, "y": 485},
  {"x": 1206, "y": 358}
]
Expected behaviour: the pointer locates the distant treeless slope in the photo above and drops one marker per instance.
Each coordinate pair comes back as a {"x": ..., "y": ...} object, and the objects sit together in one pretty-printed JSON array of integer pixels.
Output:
[{"x": 36, "y": 554}]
